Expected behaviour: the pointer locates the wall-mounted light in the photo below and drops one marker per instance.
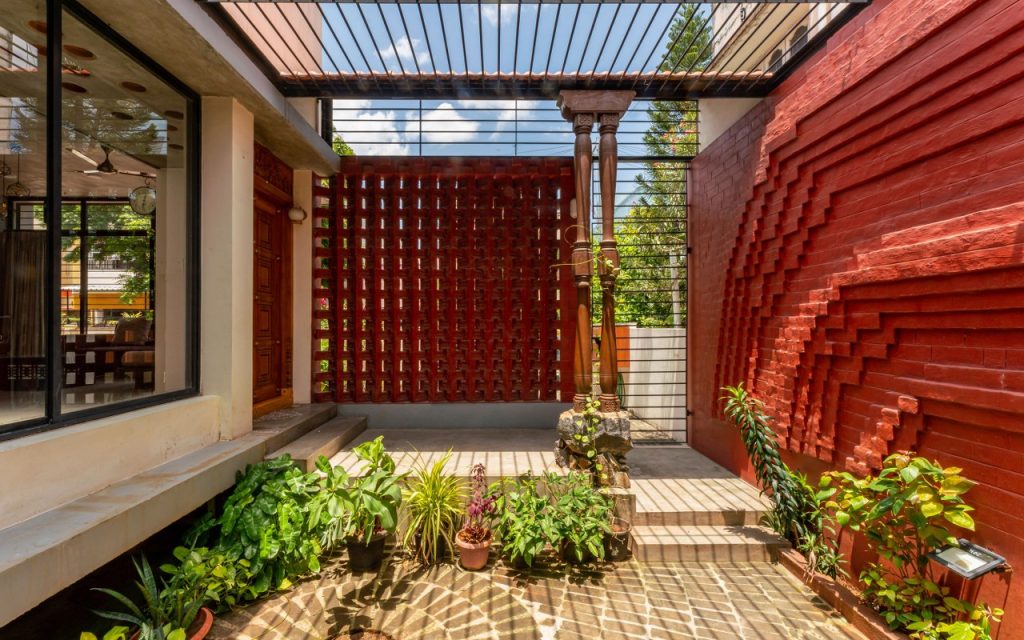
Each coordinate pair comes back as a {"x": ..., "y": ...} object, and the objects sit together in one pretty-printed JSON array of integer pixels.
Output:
[
  {"x": 297, "y": 214},
  {"x": 968, "y": 559}
]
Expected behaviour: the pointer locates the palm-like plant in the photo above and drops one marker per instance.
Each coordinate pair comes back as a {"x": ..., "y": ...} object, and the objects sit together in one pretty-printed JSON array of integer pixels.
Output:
[
  {"x": 165, "y": 614},
  {"x": 434, "y": 502}
]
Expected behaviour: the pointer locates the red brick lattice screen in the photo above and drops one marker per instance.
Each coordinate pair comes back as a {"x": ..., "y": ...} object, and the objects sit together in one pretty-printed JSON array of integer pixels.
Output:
[{"x": 439, "y": 281}]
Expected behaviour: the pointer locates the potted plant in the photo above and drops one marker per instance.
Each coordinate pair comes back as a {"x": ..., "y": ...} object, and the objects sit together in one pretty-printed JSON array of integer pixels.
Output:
[
  {"x": 474, "y": 539},
  {"x": 524, "y": 526},
  {"x": 580, "y": 517},
  {"x": 433, "y": 502},
  {"x": 174, "y": 612},
  {"x": 617, "y": 547},
  {"x": 373, "y": 510}
]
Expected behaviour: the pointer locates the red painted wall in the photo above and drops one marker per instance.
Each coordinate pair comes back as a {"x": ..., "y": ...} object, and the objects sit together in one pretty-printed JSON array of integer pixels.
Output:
[{"x": 858, "y": 259}]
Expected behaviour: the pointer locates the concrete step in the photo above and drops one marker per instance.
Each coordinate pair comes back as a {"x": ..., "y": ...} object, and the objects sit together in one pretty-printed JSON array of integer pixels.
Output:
[
  {"x": 286, "y": 425},
  {"x": 325, "y": 440},
  {"x": 652, "y": 543},
  {"x": 711, "y": 518}
]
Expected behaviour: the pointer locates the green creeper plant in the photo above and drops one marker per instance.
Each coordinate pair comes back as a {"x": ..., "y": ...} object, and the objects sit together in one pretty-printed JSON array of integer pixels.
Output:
[
  {"x": 266, "y": 521},
  {"x": 904, "y": 512}
]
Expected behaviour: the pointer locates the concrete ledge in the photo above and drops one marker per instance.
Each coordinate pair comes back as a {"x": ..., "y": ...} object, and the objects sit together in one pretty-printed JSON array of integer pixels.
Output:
[
  {"x": 863, "y": 618},
  {"x": 42, "y": 555},
  {"x": 44, "y": 470},
  {"x": 457, "y": 415}
]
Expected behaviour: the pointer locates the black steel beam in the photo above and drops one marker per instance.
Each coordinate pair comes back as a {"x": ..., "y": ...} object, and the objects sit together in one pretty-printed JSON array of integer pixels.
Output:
[{"x": 664, "y": 86}]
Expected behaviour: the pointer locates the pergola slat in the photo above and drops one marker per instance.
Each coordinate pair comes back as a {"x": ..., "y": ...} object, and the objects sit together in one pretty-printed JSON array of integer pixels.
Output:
[{"x": 337, "y": 48}]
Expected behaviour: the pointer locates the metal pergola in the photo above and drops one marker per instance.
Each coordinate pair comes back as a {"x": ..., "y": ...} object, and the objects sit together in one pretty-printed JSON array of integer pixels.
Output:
[{"x": 529, "y": 49}]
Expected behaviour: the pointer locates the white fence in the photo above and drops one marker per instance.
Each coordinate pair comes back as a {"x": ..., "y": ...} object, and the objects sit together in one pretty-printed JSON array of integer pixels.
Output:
[{"x": 655, "y": 382}]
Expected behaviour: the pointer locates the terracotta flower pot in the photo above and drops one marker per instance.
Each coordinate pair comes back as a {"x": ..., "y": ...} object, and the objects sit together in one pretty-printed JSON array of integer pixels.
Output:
[
  {"x": 616, "y": 545},
  {"x": 363, "y": 556},
  {"x": 473, "y": 556},
  {"x": 199, "y": 628}
]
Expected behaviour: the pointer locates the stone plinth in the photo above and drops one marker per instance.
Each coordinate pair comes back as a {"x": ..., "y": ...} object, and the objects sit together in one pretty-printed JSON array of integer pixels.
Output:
[{"x": 610, "y": 441}]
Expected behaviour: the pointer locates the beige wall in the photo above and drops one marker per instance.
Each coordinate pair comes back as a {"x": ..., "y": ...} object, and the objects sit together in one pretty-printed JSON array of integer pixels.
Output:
[
  {"x": 227, "y": 237},
  {"x": 43, "y": 471},
  {"x": 302, "y": 289}
]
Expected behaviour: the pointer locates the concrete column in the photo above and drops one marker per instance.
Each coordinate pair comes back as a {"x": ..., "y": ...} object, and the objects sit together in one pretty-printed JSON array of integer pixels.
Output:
[
  {"x": 302, "y": 289},
  {"x": 227, "y": 246}
]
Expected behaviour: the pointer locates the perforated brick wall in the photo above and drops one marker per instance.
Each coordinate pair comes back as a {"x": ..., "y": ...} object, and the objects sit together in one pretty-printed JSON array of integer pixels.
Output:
[
  {"x": 858, "y": 259},
  {"x": 446, "y": 281}
]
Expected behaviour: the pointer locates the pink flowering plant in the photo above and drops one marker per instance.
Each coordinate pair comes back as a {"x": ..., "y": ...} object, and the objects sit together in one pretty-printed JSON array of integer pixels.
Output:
[{"x": 480, "y": 509}]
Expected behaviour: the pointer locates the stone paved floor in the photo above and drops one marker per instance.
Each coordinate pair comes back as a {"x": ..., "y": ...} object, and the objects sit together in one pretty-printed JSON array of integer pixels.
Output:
[{"x": 629, "y": 600}]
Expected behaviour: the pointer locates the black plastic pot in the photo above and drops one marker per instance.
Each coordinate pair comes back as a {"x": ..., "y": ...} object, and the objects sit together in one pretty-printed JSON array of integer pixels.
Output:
[
  {"x": 567, "y": 550},
  {"x": 363, "y": 556},
  {"x": 616, "y": 545}
]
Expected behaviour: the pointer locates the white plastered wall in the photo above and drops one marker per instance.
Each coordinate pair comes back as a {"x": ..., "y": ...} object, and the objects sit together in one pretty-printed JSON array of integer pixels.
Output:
[
  {"x": 302, "y": 289},
  {"x": 227, "y": 237},
  {"x": 718, "y": 114}
]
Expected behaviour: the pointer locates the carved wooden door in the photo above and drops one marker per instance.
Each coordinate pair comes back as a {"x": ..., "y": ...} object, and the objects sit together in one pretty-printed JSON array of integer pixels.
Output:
[{"x": 268, "y": 288}]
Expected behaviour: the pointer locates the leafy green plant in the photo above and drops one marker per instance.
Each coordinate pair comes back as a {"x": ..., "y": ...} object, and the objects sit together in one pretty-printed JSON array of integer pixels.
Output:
[
  {"x": 266, "y": 522},
  {"x": 761, "y": 443},
  {"x": 433, "y": 501},
  {"x": 580, "y": 515},
  {"x": 819, "y": 536},
  {"x": 524, "y": 522},
  {"x": 376, "y": 495},
  {"x": 904, "y": 512},
  {"x": 118, "y": 632},
  {"x": 222, "y": 579},
  {"x": 330, "y": 505},
  {"x": 165, "y": 613}
]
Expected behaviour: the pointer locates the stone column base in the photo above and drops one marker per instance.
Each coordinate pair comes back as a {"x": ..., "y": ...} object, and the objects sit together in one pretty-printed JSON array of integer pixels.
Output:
[{"x": 610, "y": 441}]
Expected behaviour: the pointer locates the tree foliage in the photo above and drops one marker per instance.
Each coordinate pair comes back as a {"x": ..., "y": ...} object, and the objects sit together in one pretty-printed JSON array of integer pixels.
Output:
[{"x": 651, "y": 289}]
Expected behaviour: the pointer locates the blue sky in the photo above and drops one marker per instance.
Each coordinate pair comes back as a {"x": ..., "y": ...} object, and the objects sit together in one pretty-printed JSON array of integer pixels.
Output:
[{"x": 365, "y": 33}]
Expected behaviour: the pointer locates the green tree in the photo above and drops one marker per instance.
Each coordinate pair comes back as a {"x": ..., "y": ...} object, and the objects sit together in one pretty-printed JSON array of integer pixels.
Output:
[
  {"x": 341, "y": 147},
  {"x": 651, "y": 289}
]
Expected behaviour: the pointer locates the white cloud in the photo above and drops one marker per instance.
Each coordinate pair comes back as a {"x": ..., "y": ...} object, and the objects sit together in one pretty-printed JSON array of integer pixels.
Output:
[
  {"x": 403, "y": 50},
  {"x": 445, "y": 125},
  {"x": 508, "y": 13},
  {"x": 374, "y": 130}
]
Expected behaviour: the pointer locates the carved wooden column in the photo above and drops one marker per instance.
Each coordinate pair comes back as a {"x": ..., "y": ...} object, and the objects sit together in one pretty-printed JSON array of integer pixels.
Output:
[
  {"x": 582, "y": 261},
  {"x": 608, "y": 267},
  {"x": 582, "y": 108}
]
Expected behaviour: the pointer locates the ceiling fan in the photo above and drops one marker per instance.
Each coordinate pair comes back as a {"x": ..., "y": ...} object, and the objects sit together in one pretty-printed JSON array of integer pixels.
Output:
[{"x": 106, "y": 166}]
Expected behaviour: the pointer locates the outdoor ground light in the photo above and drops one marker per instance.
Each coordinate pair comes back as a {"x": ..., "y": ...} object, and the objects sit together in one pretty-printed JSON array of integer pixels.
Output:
[
  {"x": 297, "y": 214},
  {"x": 968, "y": 559}
]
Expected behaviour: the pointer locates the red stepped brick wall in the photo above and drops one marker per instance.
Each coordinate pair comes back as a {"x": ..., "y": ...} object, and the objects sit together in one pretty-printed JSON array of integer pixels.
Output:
[{"x": 858, "y": 259}]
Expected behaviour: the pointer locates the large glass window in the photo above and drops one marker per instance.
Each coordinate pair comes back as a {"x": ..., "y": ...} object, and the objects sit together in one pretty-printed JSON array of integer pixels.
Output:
[
  {"x": 109, "y": 297},
  {"x": 23, "y": 330}
]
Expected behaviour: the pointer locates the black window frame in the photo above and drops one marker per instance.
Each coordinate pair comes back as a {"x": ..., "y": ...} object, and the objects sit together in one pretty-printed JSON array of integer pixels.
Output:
[{"x": 53, "y": 416}]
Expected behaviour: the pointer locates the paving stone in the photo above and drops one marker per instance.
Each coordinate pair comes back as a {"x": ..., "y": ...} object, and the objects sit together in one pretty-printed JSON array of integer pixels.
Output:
[{"x": 625, "y": 601}]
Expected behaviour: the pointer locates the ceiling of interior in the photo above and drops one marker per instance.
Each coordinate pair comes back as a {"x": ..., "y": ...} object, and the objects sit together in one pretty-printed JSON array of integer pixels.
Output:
[{"x": 108, "y": 100}]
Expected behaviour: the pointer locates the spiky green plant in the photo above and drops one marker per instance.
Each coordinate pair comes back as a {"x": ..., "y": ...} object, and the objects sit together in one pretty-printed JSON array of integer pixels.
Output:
[
  {"x": 164, "y": 613},
  {"x": 434, "y": 502},
  {"x": 762, "y": 445}
]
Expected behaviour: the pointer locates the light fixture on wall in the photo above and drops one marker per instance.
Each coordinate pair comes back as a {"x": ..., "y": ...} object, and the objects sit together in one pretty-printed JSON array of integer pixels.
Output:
[{"x": 297, "y": 215}]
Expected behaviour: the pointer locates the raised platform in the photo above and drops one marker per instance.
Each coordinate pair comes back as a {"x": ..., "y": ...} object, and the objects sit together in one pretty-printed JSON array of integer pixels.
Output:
[{"x": 687, "y": 507}]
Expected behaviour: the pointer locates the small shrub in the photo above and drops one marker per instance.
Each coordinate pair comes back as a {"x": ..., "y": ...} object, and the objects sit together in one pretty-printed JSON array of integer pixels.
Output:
[
  {"x": 524, "y": 521},
  {"x": 433, "y": 501},
  {"x": 904, "y": 512},
  {"x": 580, "y": 516}
]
